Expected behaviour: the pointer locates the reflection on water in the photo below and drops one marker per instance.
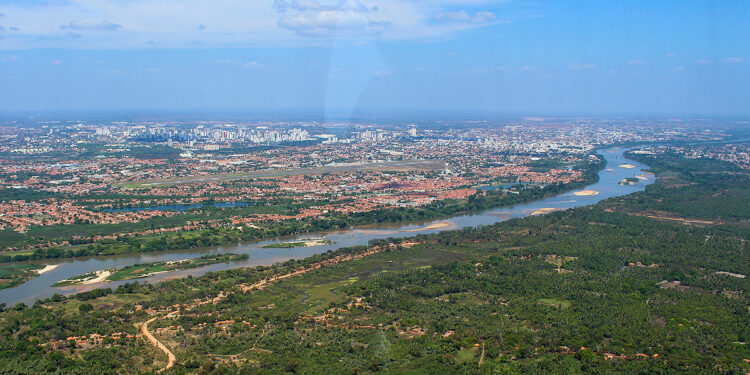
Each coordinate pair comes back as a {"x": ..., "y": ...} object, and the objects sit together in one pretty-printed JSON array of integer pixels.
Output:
[{"x": 607, "y": 187}]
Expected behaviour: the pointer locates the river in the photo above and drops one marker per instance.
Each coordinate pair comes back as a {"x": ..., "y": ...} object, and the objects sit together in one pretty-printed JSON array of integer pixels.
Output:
[{"x": 607, "y": 187}]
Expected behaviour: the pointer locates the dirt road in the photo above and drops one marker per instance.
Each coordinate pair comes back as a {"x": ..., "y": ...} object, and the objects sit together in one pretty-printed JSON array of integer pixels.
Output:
[{"x": 170, "y": 356}]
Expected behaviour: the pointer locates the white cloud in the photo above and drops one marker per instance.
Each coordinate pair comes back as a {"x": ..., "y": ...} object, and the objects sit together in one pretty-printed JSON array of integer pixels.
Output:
[
  {"x": 578, "y": 66},
  {"x": 636, "y": 62},
  {"x": 321, "y": 5},
  {"x": 383, "y": 73},
  {"x": 733, "y": 60},
  {"x": 91, "y": 24},
  {"x": 182, "y": 23},
  {"x": 331, "y": 22},
  {"x": 463, "y": 16},
  {"x": 705, "y": 62},
  {"x": 56, "y": 62},
  {"x": 253, "y": 65},
  {"x": 246, "y": 65},
  {"x": 679, "y": 69}
]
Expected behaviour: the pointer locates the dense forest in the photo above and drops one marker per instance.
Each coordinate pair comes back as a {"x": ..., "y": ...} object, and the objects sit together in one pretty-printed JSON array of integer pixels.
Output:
[{"x": 622, "y": 286}]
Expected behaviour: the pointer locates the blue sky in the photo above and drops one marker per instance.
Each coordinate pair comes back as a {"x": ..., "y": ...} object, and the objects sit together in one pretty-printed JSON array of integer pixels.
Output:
[{"x": 632, "y": 57}]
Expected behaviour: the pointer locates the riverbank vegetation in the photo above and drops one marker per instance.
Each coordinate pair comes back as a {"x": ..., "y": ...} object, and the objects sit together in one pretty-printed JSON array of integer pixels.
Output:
[
  {"x": 303, "y": 243},
  {"x": 226, "y": 233},
  {"x": 600, "y": 289},
  {"x": 140, "y": 270},
  {"x": 16, "y": 274}
]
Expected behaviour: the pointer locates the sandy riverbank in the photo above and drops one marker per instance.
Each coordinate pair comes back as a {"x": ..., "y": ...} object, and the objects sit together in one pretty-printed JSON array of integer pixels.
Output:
[
  {"x": 586, "y": 193},
  {"x": 46, "y": 268},
  {"x": 544, "y": 210},
  {"x": 440, "y": 225},
  {"x": 100, "y": 276}
]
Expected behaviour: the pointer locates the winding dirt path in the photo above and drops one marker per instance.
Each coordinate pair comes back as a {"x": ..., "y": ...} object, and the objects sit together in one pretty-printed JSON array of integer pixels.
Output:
[
  {"x": 170, "y": 356},
  {"x": 171, "y": 359}
]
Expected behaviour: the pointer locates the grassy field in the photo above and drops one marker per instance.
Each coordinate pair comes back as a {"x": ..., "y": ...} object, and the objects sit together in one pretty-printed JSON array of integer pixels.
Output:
[
  {"x": 15, "y": 274},
  {"x": 554, "y": 302},
  {"x": 480, "y": 300},
  {"x": 304, "y": 243},
  {"x": 111, "y": 302},
  {"x": 136, "y": 271},
  {"x": 406, "y": 165},
  {"x": 311, "y": 293}
]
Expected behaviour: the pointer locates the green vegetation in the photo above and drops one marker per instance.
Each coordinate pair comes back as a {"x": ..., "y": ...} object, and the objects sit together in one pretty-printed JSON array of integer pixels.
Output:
[
  {"x": 15, "y": 274},
  {"x": 284, "y": 245},
  {"x": 628, "y": 181},
  {"x": 25, "y": 194},
  {"x": 577, "y": 291},
  {"x": 554, "y": 302},
  {"x": 147, "y": 269},
  {"x": 231, "y": 234},
  {"x": 304, "y": 243},
  {"x": 86, "y": 277},
  {"x": 544, "y": 165},
  {"x": 692, "y": 188}
]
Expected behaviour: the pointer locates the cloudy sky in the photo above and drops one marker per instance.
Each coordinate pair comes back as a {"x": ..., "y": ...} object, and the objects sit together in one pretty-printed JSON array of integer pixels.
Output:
[{"x": 679, "y": 57}]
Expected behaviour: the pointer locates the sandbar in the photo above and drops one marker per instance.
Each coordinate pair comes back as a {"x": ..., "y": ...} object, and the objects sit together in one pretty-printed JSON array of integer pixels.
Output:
[
  {"x": 628, "y": 166},
  {"x": 545, "y": 210},
  {"x": 100, "y": 276},
  {"x": 586, "y": 192},
  {"x": 440, "y": 225},
  {"x": 46, "y": 268}
]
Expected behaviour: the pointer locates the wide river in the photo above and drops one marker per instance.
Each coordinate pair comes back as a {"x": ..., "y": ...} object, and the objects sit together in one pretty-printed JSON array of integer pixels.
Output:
[{"x": 618, "y": 168}]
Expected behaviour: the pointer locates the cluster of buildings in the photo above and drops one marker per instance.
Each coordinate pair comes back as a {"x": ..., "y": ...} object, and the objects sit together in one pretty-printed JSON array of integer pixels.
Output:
[
  {"x": 19, "y": 215},
  {"x": 736, "y": 153},
  {"x": 82, "y": 172}
]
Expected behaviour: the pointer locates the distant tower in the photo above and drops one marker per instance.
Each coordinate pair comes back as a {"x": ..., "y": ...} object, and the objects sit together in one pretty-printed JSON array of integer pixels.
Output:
[{"x": 413, "y": 131}]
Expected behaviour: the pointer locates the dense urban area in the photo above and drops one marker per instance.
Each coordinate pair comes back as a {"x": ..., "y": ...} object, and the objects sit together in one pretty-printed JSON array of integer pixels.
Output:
[{"x": 649, "y": 282}]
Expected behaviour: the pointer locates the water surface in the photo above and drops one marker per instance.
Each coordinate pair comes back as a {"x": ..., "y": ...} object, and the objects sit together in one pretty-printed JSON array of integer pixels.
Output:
[{"x": 40, "y": 287}]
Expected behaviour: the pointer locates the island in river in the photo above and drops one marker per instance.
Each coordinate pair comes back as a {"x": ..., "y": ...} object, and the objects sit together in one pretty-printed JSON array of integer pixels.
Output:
[
  {"x": 607, "y": 186},
  {"x": 136, "y": 271},
  {"x": 303, "y": 242}
]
